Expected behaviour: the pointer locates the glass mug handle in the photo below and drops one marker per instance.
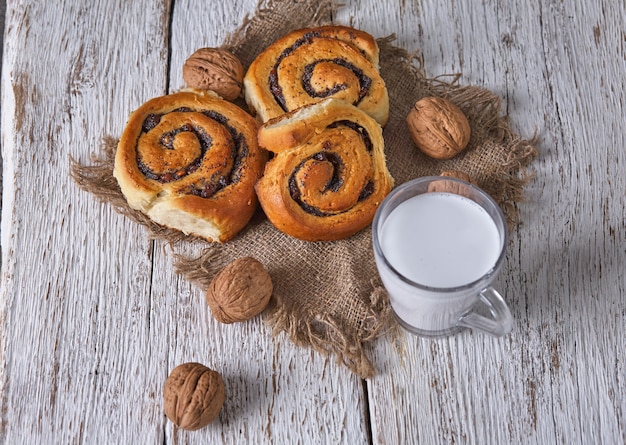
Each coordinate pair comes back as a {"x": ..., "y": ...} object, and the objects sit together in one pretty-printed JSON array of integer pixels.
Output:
[{"x": 502, "y": 321}]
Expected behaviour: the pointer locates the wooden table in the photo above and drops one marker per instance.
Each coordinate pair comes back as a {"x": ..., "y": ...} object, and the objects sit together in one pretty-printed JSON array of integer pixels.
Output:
[{"x": 93, "y": 318}]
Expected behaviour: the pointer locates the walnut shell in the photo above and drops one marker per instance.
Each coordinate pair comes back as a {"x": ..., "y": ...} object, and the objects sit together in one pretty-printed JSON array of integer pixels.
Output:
[
  {"x": 240, "y": 291},
  {"x": 457, "y": 174},
  {"x": 214, "y": 69},
  {"x": 193, "y": 396},
  {"x": 452, "y": 186},
  {"x": 438, "y": 127}
]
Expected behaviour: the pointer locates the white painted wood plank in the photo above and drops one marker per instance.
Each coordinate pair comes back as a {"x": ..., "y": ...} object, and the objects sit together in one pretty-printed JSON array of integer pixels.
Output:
[
  {"x": 276, "y": 392},
  {"x": 72, "y": 300},
  {"x": 559, "y": 377}
]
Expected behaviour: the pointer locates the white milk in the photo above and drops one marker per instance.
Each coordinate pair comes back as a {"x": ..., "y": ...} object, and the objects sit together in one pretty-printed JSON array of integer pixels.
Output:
[{"x": 438, "y": 240}]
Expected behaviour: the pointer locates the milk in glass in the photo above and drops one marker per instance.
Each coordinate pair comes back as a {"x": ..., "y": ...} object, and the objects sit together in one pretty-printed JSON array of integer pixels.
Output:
[{"x": 436, "y": 240}]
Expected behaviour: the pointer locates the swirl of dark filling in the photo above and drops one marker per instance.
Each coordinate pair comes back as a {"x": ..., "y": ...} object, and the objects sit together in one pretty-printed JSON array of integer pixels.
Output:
[
  {"x": 365, "y": 82},
  {"x": 361, "y": 131},
  {"x": 336, "y": 180},
  {"x": 204, "y": 187}
]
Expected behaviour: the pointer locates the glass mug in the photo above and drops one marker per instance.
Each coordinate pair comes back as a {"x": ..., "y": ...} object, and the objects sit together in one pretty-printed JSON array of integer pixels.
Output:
[{"x": 439, "y": 243}]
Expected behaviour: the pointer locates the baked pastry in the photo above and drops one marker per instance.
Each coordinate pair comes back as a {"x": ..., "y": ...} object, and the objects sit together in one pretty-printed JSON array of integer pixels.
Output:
[
  {"x": 311, "y": 64},
  {"x": 328, "y": 174},
  {"x": 189, "y": 161}
]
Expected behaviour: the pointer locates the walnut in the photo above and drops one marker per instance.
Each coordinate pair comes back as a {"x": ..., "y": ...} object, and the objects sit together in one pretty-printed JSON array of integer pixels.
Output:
[
  {"x": 438, "y": 127},
  {"x": 214, "y": 69},
  {"x": 193, "y": 396},
  {"x": 448, "y": 186},
  {"x": 457, "y": 174},
  {"x": 240, "y": 291}
]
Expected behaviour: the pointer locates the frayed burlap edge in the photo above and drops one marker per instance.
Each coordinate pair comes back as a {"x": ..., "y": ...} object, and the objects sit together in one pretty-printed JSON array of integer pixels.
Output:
[
  {"x": 325, "y": 334},
  {"x": 506, "y": 180},
  {"x": 246, "y": 40},
  {"x": 97, "y": 179}
]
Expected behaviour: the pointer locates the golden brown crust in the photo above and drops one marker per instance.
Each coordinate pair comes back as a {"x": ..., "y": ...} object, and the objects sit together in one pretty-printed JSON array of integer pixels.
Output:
[
  {"x": 310, "y": 64},
  {"x": 328, "y": 175},
  {"x": 189, "y": 161}
]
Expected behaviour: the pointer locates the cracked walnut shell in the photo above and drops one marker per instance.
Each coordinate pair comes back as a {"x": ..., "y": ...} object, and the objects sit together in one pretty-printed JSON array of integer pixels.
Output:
[
  {"x": 240, "y": 291},
  {"x": 438, "y": 127},
  {"x": 193, "y": 396},
  {"x": 214, "y": 69}
]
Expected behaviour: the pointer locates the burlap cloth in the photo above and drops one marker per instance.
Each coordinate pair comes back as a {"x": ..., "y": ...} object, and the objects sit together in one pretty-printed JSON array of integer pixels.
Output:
[{"x": 327, "y": 294}]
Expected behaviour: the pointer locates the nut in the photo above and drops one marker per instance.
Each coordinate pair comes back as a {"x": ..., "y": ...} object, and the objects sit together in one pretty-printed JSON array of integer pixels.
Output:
[
  {"x": 447, "y": 186},
  {"x": 240, "y": 291},
  {"x": 457, "y": 174},
  {"x": 214, "y": 69},
  {"x": 438, "y": 127},
  {"x": 193, "y": 396}
]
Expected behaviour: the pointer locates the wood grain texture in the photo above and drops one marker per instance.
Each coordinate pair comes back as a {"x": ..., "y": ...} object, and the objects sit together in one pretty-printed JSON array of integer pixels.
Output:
[
  {"x": 559, "y": 377},
  {"x": 93, "y": 318},
  {"x": 71, "y": 297}
]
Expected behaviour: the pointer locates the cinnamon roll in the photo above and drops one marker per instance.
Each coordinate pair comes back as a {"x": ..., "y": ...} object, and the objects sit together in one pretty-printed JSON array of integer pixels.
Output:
[
  {"x": 189, "y": 161},
  {"x": 328, "y": 174},
  {"x": 311, "y": 64}
]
